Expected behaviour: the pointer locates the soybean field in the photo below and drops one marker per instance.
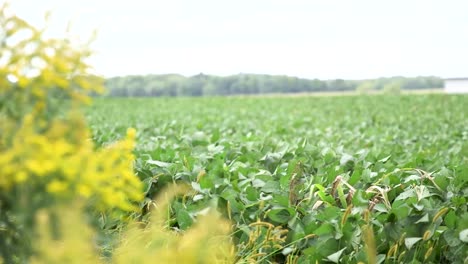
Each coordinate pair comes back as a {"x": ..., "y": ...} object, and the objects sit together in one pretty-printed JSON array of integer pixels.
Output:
[{"x": 372, "y": 179}]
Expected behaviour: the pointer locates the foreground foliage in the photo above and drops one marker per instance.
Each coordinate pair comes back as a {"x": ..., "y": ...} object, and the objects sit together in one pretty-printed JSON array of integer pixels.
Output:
[
  {"x": 49, "y": 165},
  {"x": 338, "y": 179},
  {"x": 45, "y": 153},
  {"x": 138, "y": 243}
]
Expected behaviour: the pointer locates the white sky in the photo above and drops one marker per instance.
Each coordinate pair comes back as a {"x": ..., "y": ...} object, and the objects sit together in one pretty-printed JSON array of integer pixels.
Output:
[{"x": 306, "y": 38}]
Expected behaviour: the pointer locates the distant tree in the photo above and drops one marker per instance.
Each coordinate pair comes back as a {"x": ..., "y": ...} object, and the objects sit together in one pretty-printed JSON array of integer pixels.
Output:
[
  {"x": 202, "y": 84},
  {"x": 392, "y": 88},
  {"x": 366, "y": 87},
  {"x": 209, "y": 88}
]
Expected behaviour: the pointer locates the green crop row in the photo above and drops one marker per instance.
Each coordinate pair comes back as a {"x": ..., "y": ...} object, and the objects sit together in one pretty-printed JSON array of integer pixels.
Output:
[{"x": 373, "y": 179}]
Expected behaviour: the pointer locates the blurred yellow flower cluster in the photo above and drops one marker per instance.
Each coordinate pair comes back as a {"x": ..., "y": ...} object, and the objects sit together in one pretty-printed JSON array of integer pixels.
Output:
[
  {"x": 72, "y": 246},
  {"x": 33, "y": 67},
  {"x": 63, "y": 159},
  {"x": 44, "y": 140},
  {"x": 208, "y": 241}
]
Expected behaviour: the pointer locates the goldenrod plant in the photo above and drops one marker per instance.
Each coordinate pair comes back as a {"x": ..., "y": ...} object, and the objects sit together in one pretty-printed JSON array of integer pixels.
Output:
[
  {"x": 66, "y": 239},
  {"x": 207, "y": 241},
  {"x": 46, "y": 155}
]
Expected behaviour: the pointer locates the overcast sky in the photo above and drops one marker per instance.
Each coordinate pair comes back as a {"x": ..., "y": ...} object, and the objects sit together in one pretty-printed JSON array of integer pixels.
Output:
[{"x": 306, "y": 38}]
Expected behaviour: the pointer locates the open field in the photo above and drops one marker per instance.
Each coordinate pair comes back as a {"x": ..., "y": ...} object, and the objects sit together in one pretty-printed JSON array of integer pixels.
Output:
[
  {"x": 336, "y": 179},
  {"x": 327, "y": 178}
]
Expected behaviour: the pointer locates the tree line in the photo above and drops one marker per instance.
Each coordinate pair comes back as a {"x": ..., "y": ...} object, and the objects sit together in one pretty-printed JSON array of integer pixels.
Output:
[{"x": 201, "y": 85}]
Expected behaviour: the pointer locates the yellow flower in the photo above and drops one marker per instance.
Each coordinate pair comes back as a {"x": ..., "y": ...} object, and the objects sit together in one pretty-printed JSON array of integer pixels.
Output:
[
  {"x": 34, "y": 166},
  {"x": 131, "y": 133},
  {"x": 38, "y": 92},
  {"x": 40, "y": 106},
  {"x": 84, "y": 190},
  {"x": 56, "y": 186},
  {"x": 21, "y": 176}
]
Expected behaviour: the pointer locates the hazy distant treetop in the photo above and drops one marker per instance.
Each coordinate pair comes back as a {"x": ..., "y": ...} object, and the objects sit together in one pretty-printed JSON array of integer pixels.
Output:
[{"x": 202, "y": 84}]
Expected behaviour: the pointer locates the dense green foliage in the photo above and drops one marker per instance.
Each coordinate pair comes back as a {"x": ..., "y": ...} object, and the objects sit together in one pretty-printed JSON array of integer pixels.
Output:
[
  {"x": 298, "y": 180},
  {"x": 377, "y": 179},
  {"x": 198, "y": 85}
]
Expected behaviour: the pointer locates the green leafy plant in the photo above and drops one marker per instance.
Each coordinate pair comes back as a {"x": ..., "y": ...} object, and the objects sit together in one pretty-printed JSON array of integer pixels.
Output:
[{"x": 342, "y": 179}]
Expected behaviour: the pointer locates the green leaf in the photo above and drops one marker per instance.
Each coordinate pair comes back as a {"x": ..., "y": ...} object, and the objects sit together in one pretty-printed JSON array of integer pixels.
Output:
[
  {"x": 450, "y": 219},
  {"x": 324, "y": 229},
  {"x": 410, "y": 241},
  {"x": 184, "y": 219},
  {"x": 229, "y": 193},
  {"x": 346, "y": 158},
  {"x": 257, "y": 183},
  {"x": 197, "y": 197},
  {"x": 406, "y": 194},
  {"x": 280, "y": 215},
  {"x": 385, "y": 159},
  {"x": 284, "y": 181},
  {"x": 401, "y": 209},
  {"x": 271, "y": 187},
  {"x": 452, "y": 238},
  {"x": 252, "y": 193},
  {"x": 159, "y": 163},
  {"x": 381, "y": 258},
  {"x": 424, "y": 219},
  {"x": 464, "y": 235},
  {"x": 335, "y": 257},
  {"x": 287, "y": 250}
]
